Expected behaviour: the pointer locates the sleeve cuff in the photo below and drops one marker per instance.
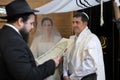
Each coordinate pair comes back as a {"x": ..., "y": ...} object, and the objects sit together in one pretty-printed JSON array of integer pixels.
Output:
[{"x": 65, "y": 73}]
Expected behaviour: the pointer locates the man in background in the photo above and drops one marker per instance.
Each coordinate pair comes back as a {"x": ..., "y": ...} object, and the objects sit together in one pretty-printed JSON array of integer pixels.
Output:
[{"x": 85, "y": 61}]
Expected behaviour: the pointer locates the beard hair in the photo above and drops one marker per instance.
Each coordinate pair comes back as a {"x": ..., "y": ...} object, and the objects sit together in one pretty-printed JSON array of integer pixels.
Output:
[{"x": 24, "y": 34}]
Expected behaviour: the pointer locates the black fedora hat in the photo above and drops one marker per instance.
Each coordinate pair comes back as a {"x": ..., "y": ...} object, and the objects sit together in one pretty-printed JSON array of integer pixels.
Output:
[{"x": 17, "y": 7}]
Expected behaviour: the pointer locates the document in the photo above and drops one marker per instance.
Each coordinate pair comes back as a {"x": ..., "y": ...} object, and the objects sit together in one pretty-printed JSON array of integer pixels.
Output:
[{"x": 57, "y": 50}]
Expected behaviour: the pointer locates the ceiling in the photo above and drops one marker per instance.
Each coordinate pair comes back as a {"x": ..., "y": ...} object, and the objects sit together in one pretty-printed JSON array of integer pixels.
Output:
[{"x": 32, "y": 3}]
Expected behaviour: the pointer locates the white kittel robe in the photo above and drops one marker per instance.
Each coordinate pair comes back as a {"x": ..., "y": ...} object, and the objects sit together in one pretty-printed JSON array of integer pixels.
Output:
[{"x": 87, "y": 57}]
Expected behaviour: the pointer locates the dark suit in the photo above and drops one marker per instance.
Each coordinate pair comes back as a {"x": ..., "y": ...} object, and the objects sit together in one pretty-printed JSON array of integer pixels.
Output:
[{"x": 16, "y": 59}]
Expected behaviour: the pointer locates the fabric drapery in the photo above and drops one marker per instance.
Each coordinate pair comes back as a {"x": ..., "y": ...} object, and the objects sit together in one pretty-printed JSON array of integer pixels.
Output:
[{"x": 61, "y": 6}]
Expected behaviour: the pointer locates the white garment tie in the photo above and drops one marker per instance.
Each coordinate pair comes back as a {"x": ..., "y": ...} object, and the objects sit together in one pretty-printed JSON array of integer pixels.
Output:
[{"x": 101, "y": 15}]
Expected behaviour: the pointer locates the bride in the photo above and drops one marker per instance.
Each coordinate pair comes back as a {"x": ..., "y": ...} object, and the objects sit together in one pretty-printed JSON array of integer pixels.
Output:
[{"x": 46, "y": 37}]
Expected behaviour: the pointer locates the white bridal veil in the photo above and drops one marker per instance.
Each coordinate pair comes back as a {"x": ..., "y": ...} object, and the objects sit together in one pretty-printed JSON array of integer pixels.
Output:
[{"x": 44, "y": 37}]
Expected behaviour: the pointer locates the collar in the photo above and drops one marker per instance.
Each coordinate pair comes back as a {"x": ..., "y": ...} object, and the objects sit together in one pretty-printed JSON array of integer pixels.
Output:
[
  {"x": 10, "y": 25},
  {"x": 82, "y": 35}
]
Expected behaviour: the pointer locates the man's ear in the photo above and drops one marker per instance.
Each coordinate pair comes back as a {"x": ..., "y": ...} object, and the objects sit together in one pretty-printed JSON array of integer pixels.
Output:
[
  {"x": 86, "y": 23},
  {"x": 20, "y": 22}
]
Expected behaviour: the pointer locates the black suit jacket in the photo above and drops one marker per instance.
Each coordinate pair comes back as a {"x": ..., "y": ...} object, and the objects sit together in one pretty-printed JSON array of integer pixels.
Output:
[{"x": 17, "y": 61}]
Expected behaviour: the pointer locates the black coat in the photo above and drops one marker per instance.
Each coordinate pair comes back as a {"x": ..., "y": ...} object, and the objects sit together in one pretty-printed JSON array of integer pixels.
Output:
[{"x": 17, "y": 61}]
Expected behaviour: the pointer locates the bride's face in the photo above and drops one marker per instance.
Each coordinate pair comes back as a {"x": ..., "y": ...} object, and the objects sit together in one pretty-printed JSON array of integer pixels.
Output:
[{"x": 47, "y": 26}]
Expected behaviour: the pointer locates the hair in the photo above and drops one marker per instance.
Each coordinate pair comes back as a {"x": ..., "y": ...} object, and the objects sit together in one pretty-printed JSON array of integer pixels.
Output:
[
  {"x": 14, "y": 18},
  {"x": 46, "y": 18},
  {"x": 83, "y": 15}
]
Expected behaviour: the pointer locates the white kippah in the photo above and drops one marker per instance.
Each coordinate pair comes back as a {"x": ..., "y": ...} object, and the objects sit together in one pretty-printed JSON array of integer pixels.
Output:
[{"x": 86, "y": 15}]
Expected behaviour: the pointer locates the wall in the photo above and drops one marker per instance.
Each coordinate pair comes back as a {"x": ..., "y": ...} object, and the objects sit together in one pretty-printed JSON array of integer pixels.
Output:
[{"x": 62, "y": 21}]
